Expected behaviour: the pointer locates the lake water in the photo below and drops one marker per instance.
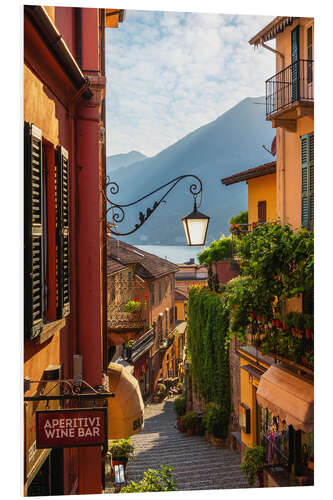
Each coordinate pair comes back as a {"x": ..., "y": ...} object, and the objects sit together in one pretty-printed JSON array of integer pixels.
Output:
[{"x": 174, "y": 253}]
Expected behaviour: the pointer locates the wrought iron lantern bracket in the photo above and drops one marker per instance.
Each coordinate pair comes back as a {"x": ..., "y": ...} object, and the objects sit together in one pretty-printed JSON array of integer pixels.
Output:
[{"x": 118, "y": 210}]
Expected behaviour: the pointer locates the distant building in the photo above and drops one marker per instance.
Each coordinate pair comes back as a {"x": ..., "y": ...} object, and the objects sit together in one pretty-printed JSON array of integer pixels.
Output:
[
  {"x": 142, "y": 337},
  {"x": 190, "y": 274}
]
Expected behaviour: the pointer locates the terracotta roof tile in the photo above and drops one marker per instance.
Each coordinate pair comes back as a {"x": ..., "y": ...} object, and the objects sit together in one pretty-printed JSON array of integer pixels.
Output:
[
  {"x": 148, "y": 265},
  {"x": 114, "y": 266},
  {"x": 180, "y": 295}
]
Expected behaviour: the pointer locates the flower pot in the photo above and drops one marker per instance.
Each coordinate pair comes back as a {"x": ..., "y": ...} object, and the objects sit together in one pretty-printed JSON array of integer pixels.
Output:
[{"x": 189, "y": 432}]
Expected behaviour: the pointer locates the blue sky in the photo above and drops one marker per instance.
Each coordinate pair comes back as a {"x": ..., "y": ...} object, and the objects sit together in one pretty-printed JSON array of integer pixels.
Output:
[{"x": 169, "y": 73}]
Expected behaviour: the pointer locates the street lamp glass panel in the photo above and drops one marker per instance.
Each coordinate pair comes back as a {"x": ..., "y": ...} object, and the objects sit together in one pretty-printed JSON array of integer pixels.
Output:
[{"x": 195, "y": 227}]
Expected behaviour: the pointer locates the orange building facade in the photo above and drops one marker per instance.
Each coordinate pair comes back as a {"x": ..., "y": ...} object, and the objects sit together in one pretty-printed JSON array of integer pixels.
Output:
[{"x": 64, "y": 231}]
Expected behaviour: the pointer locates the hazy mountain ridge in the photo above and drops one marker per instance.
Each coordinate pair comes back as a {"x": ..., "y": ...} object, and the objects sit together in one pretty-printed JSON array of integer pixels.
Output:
[
  {"x": 123, "y": 160},
  {"x": 231, "y": 143}
]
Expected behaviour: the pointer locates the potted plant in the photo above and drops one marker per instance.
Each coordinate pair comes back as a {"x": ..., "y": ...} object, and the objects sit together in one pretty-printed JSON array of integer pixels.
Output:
[
  {"x": 189, "y": 422},
  {"x": 132, "y": 306},
  {"x": 253, "y": 465},
  {"x": 122, "y": 450},
  {"x": 128, "y": 347},
  {"x": 161, "y": 392},
  {"x": 180, "y": 406}
]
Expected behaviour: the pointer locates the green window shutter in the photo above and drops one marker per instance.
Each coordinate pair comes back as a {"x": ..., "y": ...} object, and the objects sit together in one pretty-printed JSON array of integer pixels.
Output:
[
  {"x": 33, "y": 231},
  {"x": 311, "y": 181},
  {"x": 62, "y": 236},
  {"x": 307, "y": 174}
]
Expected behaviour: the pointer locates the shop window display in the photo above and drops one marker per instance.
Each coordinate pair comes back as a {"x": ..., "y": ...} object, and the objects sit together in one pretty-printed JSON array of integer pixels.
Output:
[
  {"x": 274, "y": 436},
  {"x": 285, "y": 449}
]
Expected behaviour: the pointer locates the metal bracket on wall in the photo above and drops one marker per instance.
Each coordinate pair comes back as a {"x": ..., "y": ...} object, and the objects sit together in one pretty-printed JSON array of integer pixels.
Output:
[{"x": 74, "y": 392}]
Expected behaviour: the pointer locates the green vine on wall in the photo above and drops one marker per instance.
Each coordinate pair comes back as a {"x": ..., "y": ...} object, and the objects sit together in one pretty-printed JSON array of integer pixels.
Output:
[{"x": 206, "y": 337}]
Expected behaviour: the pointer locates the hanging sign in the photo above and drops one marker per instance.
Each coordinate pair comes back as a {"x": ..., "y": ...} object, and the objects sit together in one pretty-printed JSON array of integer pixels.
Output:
[{"x": 71, "y": 428}]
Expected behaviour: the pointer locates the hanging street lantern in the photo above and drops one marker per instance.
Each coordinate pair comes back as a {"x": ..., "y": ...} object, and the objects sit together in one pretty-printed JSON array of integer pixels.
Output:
[
  {"x": 195, "y": 224},
  {"x": 195, "y": 227}
]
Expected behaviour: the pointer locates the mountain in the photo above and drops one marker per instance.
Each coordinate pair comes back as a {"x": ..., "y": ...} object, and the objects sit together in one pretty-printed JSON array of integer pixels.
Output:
[
  {"x": 231, "y": 143},
  {"x": 123, "y": 160}
]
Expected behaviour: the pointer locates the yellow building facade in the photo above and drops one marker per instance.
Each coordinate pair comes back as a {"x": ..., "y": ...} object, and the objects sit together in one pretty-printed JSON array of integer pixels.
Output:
[
  {"x": 261, "y": 182},
  {"x": 273, "y": 391}
]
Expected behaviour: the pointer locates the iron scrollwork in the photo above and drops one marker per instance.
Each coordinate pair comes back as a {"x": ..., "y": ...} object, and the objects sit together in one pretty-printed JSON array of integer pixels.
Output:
[{"x": 117, "y": 210}]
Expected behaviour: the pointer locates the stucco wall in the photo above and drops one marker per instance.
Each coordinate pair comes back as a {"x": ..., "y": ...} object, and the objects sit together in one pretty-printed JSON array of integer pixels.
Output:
[{"x": 262, "y": 189}]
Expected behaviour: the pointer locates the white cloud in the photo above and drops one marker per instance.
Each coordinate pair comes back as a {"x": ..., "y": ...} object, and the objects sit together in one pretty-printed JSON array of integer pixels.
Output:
[{"x": 169, "y": 73}]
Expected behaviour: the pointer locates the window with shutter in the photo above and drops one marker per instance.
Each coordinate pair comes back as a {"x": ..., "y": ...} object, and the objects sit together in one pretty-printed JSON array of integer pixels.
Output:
[
  {"x": 262, "y": 211},
  {"x": 307, "y": 175},
  {"x": 152, "y": 293},
  {"x": 63, "y": 232},
  {"x": 33, "y": 231}
]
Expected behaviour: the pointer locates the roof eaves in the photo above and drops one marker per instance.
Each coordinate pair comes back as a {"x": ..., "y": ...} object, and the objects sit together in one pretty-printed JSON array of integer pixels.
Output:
[
  {"x": 260, "y": 171},
  {"x": 272, "y": 29}
]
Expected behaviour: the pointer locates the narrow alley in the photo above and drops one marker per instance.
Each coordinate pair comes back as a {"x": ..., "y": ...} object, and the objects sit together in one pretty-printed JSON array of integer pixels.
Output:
[{"x": 197, "y": 464}]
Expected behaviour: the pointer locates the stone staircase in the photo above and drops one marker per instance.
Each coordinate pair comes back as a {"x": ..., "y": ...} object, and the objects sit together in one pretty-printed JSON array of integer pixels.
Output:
[{"x": 197, "y": 464}]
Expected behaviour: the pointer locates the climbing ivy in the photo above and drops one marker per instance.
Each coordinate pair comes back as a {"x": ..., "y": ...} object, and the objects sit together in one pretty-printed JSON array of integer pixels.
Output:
[
  {"x": 217, "y": 250},
  {"x": 276, "y": 264},
  {"x": 206, "y": 336}
]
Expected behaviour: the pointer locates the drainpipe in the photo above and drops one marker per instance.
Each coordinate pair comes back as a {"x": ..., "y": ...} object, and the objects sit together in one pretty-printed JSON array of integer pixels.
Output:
[
  {"x": 57, "y": 46},
  {"x": 274, "y": 51},
  {"x": 73, "y": 158},
  {"x": 283, "y": 142}
]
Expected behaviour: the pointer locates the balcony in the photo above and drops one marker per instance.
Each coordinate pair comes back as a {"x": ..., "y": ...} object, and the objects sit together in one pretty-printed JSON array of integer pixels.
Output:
[
  {"x": 289, "y": 94},
  {"x": 289, "y": 345},
  {"x": 141, "y": 346},
  {"x": 124, "y": 326}
]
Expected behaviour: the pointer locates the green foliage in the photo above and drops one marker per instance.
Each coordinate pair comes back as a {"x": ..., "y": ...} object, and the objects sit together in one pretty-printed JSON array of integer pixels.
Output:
[
  {"x": 216, "y": 420},
  {"x": 189, "y": 420},
  {"x": 253, "y": 463},
  {"x": 207, "y": 332},
  {"x": 153, "y": 480},
  {"x": 161, "y": 390},
  {"x": 180, "y": 406},
  {"x": 217, "y": 250},
  {"x": 276, "y": 264},
  {"x": 121, "y": 448},
  {"x": 132, "y": 306},
  {"x": 241, "y": 218}
]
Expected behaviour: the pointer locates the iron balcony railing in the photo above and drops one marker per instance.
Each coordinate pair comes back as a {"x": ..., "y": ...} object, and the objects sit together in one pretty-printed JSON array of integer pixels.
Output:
[
  {"x": 141, "y": 346},
  {"x": 292, "y": 84}
]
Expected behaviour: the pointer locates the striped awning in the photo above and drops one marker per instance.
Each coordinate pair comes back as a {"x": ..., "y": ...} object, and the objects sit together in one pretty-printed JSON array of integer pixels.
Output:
[{"x": 287, "y": 396}]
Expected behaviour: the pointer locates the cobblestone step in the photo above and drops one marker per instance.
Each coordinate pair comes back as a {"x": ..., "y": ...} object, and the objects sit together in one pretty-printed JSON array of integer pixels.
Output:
[{"x": 197, "y": 464}]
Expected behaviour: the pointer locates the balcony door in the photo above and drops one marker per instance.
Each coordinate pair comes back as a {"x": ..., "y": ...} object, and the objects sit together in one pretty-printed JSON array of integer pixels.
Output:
[{"x": 295, "y": 64}]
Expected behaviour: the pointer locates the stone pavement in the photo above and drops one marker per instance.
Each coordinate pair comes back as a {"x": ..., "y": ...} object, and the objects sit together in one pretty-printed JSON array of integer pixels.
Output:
[{"x": 197, "y": 464}]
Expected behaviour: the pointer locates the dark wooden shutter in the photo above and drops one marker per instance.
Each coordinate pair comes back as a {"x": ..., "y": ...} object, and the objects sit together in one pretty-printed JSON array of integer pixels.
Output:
[
  {"x": 261, "y": 211},
  {"x": 63, "y": 232},
  {"x": 307, "y": 187},
  {"x": 311, "y": 181},
  {"x": 33, "y": 231}
]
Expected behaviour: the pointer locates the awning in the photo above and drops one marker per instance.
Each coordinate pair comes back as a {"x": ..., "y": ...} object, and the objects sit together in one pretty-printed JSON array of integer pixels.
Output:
[
  {"x": 125, "y": 410},
  {"x": 252, "y": 371},
  {"x": 288, "y": 397}
]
